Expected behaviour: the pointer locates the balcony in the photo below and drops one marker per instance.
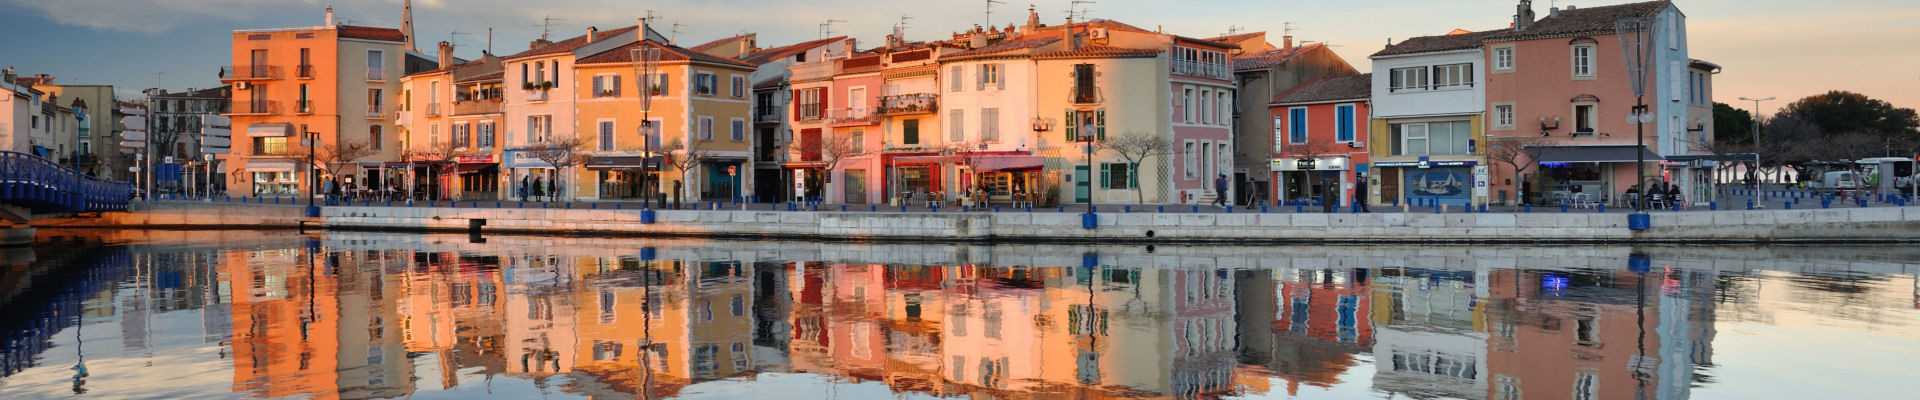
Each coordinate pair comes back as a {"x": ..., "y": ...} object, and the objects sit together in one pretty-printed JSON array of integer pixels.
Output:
[
  {"x": 403, "y": 118},
  {"x": 537, "y": 95},
  {"x": 852, "y": 117},
  {"x": 303, "y": 71},
  {"x": 376, "y": 74},
  {"x": 256, "y": 107},
  {"x": 1087, "y": 95},
  {"x": 303, "y": 107},
  {"x": 477, "y": 107},
  {"x": 433, "y": 109},
  {"x": 909, "y": 104},
  {"x": 234, "y": 73},
  {"x": 770, "y": 115},
  {"x": 377, "y": 112},
  {"x": 1204, "y": 70}
]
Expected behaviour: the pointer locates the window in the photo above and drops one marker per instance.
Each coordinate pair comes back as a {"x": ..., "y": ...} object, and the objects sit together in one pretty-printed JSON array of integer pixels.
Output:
[
  {"x": 956, "y": 126},
  {"x": 910, "y": 131},
  {"x": 1503, "y": 58},
  {"x": 1084, "y": 89},
  {"x": 858, "y": 138},
  {"x": 954, "y": 76},
  {"x": 375, "y": 102},
  {"x": 1206, "y": 151},
  {"x": 1414, "y": 78},
  {"x": 433, "y": 136},
  {"x": 459, "y": 135},
  {"x": 1583, "y": 119},
  {"x": 376, "y": 65},
  {"x": 556, "y": 72},
  {"x": 809, "y": 100},
  {"x": 739, "y": 87},
  {"x": 989, "y": 76},
  {"x": 739, "y": 129},
  {"x": 1225, "y": 107},
  {"x": 1452, "y": 76},
  {"x": 538, "y": 127},
  {"x": 1344, "y": 122},
  {"x": 1186, "y": 106},
  {"x": 707, "y": 83},
  {"x": 1583, "y": 60},
  {"x": 1297, "y": 125},
  {"x": 1187, "y": 160},
  {"x": 706, "y": 128},
  {"x": 990, "y": 124},
  {"x": 606, "y": 135},
  {"x": 1434, "y": 138},
  {"x": 486, "y": 134},
  {"x": 523, "y": 74},
  {"x": 661, "y": 84},
  {"x": 1117, "y": 176},
  {"x": 1503, "y": 116},
  {"x": 306, "y": 103},
  {"x": 1586, "y": 386},
  {"x": 270, "y": 146},
  {"x": 606, "y": 86},
  {"x": 1204, "y": 96}
]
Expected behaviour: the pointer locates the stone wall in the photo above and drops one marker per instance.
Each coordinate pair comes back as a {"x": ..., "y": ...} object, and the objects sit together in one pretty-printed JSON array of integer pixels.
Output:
[
  {"x": 1826, "y": 225},
  {"x": 188, "y": 215}
]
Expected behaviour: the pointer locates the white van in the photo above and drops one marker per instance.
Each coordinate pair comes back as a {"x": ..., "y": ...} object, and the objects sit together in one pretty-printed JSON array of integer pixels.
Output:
[{"x": 1838, "y": 180}]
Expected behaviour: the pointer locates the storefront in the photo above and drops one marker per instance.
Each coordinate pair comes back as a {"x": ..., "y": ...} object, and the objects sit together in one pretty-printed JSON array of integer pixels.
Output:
[
  {"x": 917, "y": 179},
  {"x": 1597, "y": 172},
  {"x": 626, "y": 177},
  {"x": 1427, "y": 181},
  {"x": 1307, "y": 180},
  {"x": 527, "y": 175},
  {"x": 274, "y": 177},
  {"x": 1005, "y": 179},
  {"x": 473, "y": 177},
  {"x": 719, "y": 184}
]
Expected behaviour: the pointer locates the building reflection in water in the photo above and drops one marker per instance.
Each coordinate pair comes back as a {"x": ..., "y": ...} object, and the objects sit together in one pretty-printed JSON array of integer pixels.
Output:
[{"x": 358, "y": 319}]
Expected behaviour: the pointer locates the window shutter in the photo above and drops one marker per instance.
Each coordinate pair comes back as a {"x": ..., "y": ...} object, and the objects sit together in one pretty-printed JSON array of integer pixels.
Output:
[
  {"x": 1133, "y": 176},
  {"x": 954, "y": 76},
  {"x": 980, "y": 79},
  {"x": 1106, "y": 180},
  {"x": 794, "y": 104},
  {"x": 664, "y": 87},
  {"x": 1100, "y": 123},
  {"x": 1073, "y": 128},
  {"x": 616, "y": 85},
  {"x": 1000, "y": 76},
  {"x": 596, "y": 86}
]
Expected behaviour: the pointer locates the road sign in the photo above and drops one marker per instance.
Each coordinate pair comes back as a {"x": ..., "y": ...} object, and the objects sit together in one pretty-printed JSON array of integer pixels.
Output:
[
  {"x": 138, "y": 136},
  {"x": 730, "y": 170},
  {"x": 216, "y": 141},
  {"x": 134, "y": 123},
  {"x": 215, "y": 120},
  {"x": 136, "y": 144},
  {"x": 216, "y": 132},
  {"x": 216, "y": 150}
]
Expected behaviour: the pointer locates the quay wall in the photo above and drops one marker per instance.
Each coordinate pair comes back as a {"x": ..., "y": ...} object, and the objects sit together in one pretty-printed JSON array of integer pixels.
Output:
[{"x": 1819, "y": 225}]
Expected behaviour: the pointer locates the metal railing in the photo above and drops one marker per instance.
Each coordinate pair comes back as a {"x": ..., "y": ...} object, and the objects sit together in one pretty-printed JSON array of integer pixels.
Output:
[
  {"x": 1200, "y": 69},
  {"x": 249, "y": 72},
  {"x": 303, "y": 106},
  {"x": 810, "y": 113},
  {"x": 433, "y": 109},
  {"x": 377, "y": 74},
  {"x": 256, "y": 107},
  {"x": 41, "y": 185},
  {"x": 769, "y": 115},
  {"x": 303, "y": 71},
  {"x": 853, "y": 117},
  {"x": 1087, "y": 95}
]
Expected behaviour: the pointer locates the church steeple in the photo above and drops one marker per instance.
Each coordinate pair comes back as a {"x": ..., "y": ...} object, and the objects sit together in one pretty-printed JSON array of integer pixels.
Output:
[{"x": 406, "y": 24}]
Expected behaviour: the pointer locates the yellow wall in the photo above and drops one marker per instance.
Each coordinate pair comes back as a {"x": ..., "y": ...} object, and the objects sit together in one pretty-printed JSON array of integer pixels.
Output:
[{"x": 1135, "y": 101}]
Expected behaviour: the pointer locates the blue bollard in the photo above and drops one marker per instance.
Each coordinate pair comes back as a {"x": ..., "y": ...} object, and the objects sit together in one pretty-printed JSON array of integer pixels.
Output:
[
  {"x": 1229, "y": 210},
  {"x": 996, "y": 208},
  {"x": 1297, "y": 208},
  {"x": 1563, "y": 208},
  {"x": 1196, "y": 209},
  {"x": 431, "y": 203},
  {"x": 903, "y": 208},
  {"x": 1263, "y": 209},
  {"x": 1029, "y": 208},
  {"x": 1601, "y": 207},
  {"x": 1789, "y": 205},
  {"x": 1436, "y": 208},
  {"x": 935, "y": 208},
  {"x": 873, "y": 208},
  {"x": 1749, "y": 204},
  {"x": 1713, "y": 206},
  {"x": 843, "y": 208},
  {"x": 1863, "y": 202},
  {"x": 1127, "y": 209},
  {"x": 1527, "y": 208},
  {"x": 1163, "y": 209},
  {"x": 1063, "y": 208},
  {"x": 594, "y": 206},
  {"x": 1483, "y": 209}
]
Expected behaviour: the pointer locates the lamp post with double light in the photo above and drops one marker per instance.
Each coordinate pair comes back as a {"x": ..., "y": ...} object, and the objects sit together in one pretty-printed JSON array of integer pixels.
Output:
[{"x": 1756, "y": 147}]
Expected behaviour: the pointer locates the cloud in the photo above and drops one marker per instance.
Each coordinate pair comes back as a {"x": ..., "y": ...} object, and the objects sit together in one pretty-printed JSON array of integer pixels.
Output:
[{"x": 150, "y": 17}]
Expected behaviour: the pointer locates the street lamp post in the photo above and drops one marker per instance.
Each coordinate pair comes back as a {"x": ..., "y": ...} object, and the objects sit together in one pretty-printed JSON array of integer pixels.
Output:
[
  {"x": 1086, "y": 140},
  {"x": 1756, "y": 147},
  {"x": 313, "y": 140}
]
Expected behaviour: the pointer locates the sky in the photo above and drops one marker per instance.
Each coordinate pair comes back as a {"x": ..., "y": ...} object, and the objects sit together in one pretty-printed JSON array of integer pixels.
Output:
[{"x": 1787, "y": 49}]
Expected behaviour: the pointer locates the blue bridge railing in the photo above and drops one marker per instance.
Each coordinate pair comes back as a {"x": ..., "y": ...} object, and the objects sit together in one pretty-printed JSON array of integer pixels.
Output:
[{"x": 43, "y": 186}]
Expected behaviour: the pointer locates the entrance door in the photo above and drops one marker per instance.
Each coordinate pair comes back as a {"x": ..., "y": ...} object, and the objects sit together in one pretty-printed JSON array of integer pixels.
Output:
[
  {"x": 1390, "y": 185},
  {"x": 856, "y": 184},
  {"x": 1081, "y": 188}
]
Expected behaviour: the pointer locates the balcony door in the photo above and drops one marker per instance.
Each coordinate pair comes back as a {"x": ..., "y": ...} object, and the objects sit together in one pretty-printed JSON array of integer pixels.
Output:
[
  {"x": 858, "y": 101},
  {"x": 258, "y": 64}
]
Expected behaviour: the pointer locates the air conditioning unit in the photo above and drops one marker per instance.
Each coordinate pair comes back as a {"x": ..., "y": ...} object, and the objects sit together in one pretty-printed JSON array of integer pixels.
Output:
[
  {"x": 1358, "y": 145},
  {"x": 1098, "y": 33},
  {"x": 242, "y": 85}
]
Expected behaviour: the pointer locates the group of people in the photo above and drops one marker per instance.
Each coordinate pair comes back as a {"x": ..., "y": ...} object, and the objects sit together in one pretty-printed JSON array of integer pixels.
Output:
[
  {"x": 1668, "y": 193},
  {"x": 537, "y": 188},
  {"x": 1329, "y": 185}
]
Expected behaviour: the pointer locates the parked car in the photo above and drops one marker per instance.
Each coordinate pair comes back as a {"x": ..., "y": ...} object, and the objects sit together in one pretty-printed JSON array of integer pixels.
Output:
[{"x": 1837, "y": 181}]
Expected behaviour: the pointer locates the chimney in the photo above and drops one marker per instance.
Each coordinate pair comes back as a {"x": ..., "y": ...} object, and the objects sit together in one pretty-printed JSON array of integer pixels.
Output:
[
  {"x": 1553, "y": 12},
  {"x": 1286, "y": 42},
  {"x": 642, "y": 29},
  {"x": 329, "y": 15},
  {"x": 1033, "y": 21},
  {"x": 1523, "y": 15},
  {"x": 538, "y": 43},
  {"x": 593, "y": 34},
  {"x": 446, "y": 55}
]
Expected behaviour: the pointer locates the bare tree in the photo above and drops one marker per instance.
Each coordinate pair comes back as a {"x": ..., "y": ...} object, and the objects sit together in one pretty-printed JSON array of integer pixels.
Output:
[
  {"x": 971, "y": 154},
  {"x": 1135, "y": 147},
  {"x": 832, "y": 151},
  {"x": 341, "y": 155},
  {"x": 1721, "y": 151},
  {"x": 1522, "y": 153},
  {"x": 686, "y": 156},
  {"x": 562, "y": 152}
]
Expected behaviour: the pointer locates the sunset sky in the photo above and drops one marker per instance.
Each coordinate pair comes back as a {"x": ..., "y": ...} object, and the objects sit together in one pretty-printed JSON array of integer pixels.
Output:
[{"x": 1780, "y": 48}]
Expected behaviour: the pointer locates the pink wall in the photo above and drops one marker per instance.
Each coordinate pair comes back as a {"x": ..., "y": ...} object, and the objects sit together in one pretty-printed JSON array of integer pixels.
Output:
[
  {"x": 1321, "y": 128},
  {"x": 1542, "y": 84}
]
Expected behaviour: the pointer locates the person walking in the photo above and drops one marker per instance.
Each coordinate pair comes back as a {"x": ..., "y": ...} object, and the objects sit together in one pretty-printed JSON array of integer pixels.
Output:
[
  {"x": 1220, "y": 191},
  {"x": 522, "y": 191},
  {"x": 1360, "y": 192}
]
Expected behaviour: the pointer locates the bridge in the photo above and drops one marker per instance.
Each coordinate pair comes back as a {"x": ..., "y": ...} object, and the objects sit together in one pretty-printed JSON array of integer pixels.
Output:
[{"x": 33, "y": 187}]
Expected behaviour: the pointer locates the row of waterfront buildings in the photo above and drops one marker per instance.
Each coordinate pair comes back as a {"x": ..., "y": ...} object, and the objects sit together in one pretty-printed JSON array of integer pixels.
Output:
[{"x": 988, "y": 115}]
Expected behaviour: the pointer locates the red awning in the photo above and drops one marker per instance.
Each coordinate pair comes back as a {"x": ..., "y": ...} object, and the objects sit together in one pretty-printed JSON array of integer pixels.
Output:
[
  {"x": 1008, "y": 163},
  {"x": 468, "y": 168},
  {"x": 925, "y": 160}
]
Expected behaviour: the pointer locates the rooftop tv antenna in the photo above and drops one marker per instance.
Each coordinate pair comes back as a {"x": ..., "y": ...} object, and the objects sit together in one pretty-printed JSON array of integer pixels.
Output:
[
  {"x": 1286, "y": 29},
  {"x": 902, "y": 25},
  {"x": 990, "y": 4},
  {"x": 674, "y": 34},
  {"x": 1074, "y": 10},
  {"x": 1232, "y": 30},
  {"x": 453, "y": 38},
  {"x": 826, "y": 28},
  {"x": 546, "y": 25}
]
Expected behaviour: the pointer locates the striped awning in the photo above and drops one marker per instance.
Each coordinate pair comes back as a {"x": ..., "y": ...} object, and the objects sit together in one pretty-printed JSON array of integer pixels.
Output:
[{"x": 276, "y": 129}]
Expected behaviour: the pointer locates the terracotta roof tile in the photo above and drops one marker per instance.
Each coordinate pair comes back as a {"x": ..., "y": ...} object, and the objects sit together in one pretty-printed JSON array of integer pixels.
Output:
[
  {"x": 717, "y": 42},
  {"x": 371, "y": 33},
  {"x": 1327, "y": 89},
  {"x": 1099, "y": 51},
  {"x": 1428, "y": 44},
  {"x": 1237, "y": 38},
  {"x": 572, "y": 43},
  {"x": 1584, "y": 21},
  {"x": 769, "y": 55},
  {"x": 1271, "y": 58},
  {"x": 624, "y": 54},
  {"x": 1019, "y": 47}
]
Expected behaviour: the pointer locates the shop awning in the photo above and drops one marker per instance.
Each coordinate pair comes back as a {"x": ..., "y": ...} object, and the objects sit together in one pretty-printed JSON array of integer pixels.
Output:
[
  {"x": 1008, "y": 163},
  {"x": 270, "y": 165},
  {"x": 40, "y": 151},
  {"x": 463, "y": 169},
  {"x": 925, "y": 160},
  {"x": 278, "y": 129},
  {"x": 1596, "y": 154},
  {"x": 623, "y": 163}
]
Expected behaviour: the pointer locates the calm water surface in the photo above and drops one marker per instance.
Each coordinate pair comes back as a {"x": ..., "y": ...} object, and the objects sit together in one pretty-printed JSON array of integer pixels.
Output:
[{"x": 284, "y": 315}]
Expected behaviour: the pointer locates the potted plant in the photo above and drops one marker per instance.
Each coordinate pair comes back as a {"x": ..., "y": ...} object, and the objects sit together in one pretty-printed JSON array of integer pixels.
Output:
[
  {"x": 548, "y": 85},
  {"x": 606, "y": 92},
  {"x": 526, "y": 85}
]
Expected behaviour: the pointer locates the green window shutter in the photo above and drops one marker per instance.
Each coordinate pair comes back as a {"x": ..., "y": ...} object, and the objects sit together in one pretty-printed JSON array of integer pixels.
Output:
[
  {"x": 1105, "y": 180},
  {"x": 1133, "y": 176},
  {"x": 1072, "y": 127},
  {"x": 1100, "y": 122}
]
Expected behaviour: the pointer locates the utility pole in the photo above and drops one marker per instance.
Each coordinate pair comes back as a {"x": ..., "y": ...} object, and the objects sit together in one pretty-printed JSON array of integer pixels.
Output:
[{"x": 1756, "y": 150}]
